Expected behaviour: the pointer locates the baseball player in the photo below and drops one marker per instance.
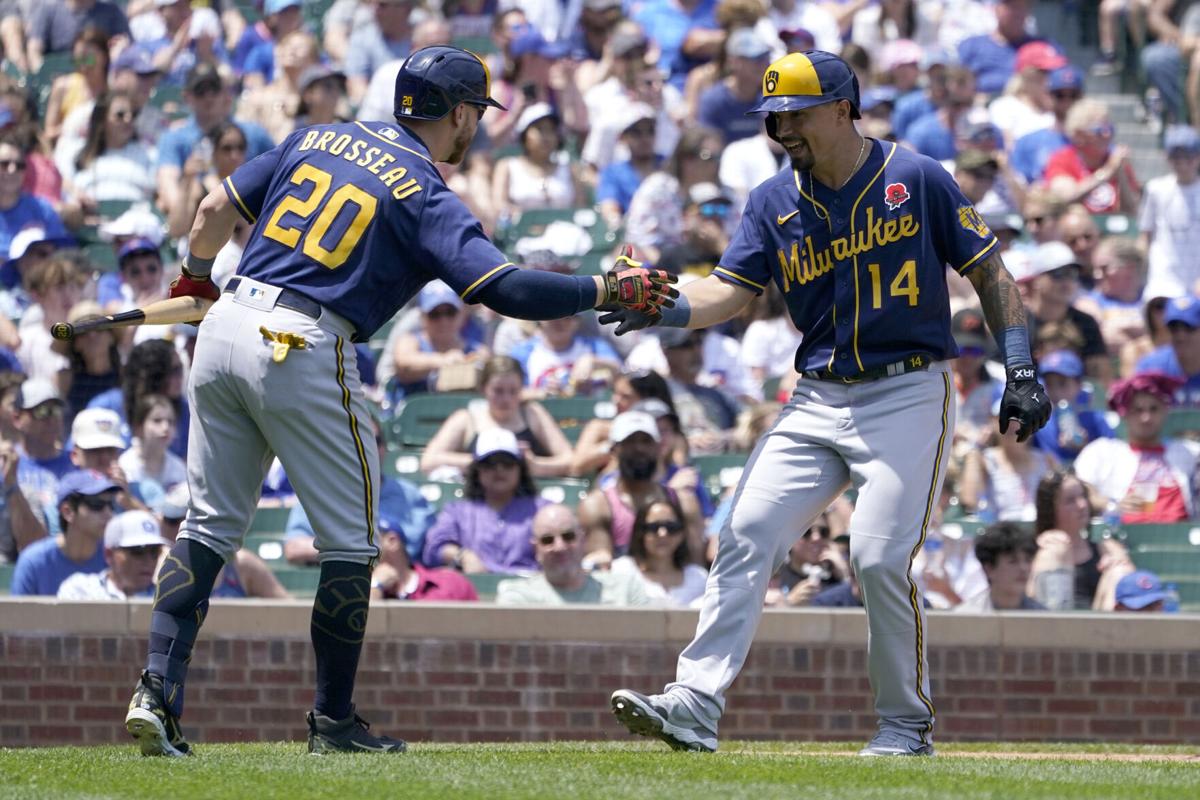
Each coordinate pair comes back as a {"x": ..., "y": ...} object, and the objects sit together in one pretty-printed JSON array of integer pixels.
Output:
[
  {"x": 350, "y": 221},
  {"x": 857, "y": 234}
]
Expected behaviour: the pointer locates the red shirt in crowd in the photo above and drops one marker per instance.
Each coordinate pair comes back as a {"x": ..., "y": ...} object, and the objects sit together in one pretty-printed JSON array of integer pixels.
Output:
[{"x": 1105, "y": 198}]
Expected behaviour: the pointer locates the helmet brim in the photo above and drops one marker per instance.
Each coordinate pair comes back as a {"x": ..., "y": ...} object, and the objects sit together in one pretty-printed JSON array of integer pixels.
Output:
[{"x": 770, "y": 105}]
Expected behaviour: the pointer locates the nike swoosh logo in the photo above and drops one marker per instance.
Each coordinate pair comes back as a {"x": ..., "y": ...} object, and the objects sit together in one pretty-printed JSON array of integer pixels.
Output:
[
  {"x": 782, "y": 218},
  {"x": 362, "y": 746}
]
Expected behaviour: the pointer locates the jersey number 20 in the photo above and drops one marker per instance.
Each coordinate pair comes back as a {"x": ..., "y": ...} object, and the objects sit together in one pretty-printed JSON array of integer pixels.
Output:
[
  {"x": 305, "y": 207},
  {"x": 903, "y": 285}
]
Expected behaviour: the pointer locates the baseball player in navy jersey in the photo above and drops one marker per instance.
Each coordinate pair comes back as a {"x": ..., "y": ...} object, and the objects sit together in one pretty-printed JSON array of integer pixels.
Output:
[
  {"x": 350, "y": 221},
  {"x": 857, "y": 234}
]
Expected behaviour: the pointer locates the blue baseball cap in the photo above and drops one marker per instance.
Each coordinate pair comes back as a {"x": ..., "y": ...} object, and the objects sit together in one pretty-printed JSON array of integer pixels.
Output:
[
  {"x": 275, "y": 6},
  {"x": 1181, "y": 137},
  {"x": 137, "y": 59},
  {"x": 530, "y": 40},
  {"x": 138, "y": 244},
  {"x": 1061, "y": 362},
  {"x": 877, "y": 96},
  {"x": 1139, "y": 589},
  {"x": 1183, "y": 309},
  {"x": 1068, "y": 77},
  {"x": 86, "y": 482},
  {"x": 804, "y": 80}
]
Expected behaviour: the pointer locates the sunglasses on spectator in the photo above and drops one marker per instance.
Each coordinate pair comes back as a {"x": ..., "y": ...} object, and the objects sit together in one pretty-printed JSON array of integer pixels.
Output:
[
  {"x": 1182, "y": 327},
  {"x": 442, "y": 312},
  {"x": 568, "y": 536},
  {"x": 1036, "y": 220},
  {"x": 143, "y": 551},
  {"x": 95, "y": 503},
  {"x": 1066, "y": 94},
  {"x": 10, "y": 165},
  {"x": 46, "y": 410},
  {"x": 233, "y": 147},
  {"x": 982, "y": 174},
  {"x": 703, "y": 155},
  {"x": 1104, "y": 129},
  {"x": 817, "y": 532},
  {"x": 664, "y": 528},
  {"x": 1067, "y": 273},
  {"x": 498, "y": 462},
  {"x": 719, "y": 210},
  {"x": 641, "y": 130}
]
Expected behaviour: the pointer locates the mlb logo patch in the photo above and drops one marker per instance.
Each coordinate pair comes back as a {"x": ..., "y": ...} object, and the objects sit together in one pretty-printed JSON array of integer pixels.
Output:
[
  {"x": 256, "y": 293},
  {"x": 895, "y": 195},
  {"x": 391, "y": 134}
]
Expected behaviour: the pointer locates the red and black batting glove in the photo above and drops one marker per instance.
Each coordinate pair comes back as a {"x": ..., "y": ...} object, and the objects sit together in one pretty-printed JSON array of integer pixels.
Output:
[
  {"x": 189, "y": 285},
  {"x": 1025, "y": 401},
  {"x": 629, "y": 285}
]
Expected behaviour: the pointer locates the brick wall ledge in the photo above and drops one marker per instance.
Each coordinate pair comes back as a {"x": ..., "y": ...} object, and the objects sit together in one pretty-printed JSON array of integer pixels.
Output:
[{"x": 842, "y": 627}]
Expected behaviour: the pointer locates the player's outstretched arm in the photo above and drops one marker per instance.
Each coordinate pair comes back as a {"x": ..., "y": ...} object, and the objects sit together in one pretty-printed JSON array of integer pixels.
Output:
[
  {"x": 703, "y": 303},
  {"x": 1025, "y": 401}
]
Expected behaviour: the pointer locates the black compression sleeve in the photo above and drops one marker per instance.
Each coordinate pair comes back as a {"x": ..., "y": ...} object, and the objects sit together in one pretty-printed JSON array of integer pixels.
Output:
[{"x": 533, "y": 294}]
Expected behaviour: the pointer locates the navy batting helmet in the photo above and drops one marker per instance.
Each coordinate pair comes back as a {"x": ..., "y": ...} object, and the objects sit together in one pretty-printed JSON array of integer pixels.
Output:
[
  {"x": 433, "y": 80},
  {"x": 803, "y": 80}
]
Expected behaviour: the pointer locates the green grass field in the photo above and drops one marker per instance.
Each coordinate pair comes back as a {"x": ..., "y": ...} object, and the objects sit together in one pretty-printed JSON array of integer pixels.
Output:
[{"x": 606, "y": 771}]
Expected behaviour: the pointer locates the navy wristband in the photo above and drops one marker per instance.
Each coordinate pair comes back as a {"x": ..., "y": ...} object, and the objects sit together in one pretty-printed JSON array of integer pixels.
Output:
[
  {"x": 1014, "y": 343},
  {"x": 679, "y": 315}
]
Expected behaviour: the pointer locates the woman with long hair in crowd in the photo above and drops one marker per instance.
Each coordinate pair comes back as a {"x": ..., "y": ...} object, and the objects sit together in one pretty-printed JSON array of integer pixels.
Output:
[
  {"x": 658, "y": 554},
  {"x": 113, "y": 164},
  {"x": 95, "y": 361},
  {"x": 1000, "y": 482},
  {"x": 541, "y": 175},
  {"x": 88, "y": 81},
  {"x": 153, "y": 367},
  {"x": 222, "y": 150}
]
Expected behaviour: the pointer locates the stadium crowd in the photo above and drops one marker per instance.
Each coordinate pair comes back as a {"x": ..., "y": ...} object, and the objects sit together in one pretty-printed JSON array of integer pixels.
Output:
[{"x": 625, "y": 122}]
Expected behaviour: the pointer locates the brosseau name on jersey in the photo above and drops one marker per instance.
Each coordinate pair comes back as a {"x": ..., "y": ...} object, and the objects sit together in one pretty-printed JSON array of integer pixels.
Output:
[{"x": 363, "y": 154}]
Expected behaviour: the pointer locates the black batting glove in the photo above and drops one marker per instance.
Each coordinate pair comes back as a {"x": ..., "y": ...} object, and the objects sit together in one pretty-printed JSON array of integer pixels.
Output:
[
  {"x": 1025, "y": 401},
  {"x": 628, "y": 319}
]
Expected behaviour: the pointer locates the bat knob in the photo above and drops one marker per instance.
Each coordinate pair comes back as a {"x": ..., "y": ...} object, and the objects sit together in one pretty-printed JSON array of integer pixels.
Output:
[{"x": 62, "y": 330}]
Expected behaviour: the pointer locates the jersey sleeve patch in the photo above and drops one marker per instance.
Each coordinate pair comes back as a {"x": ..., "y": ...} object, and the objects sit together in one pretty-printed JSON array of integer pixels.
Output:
[{"x": 970, "y": 220}]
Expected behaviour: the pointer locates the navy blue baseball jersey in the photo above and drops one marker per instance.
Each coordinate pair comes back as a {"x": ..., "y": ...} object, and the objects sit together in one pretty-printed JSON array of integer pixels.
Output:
[
  {"x": 862, "y": 269},
  {"x": 356, "y": 217}
]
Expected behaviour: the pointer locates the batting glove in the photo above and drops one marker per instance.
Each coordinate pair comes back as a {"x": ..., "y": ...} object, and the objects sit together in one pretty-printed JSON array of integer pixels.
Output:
[
  {"x": 628, "y": 320},
  {"x": 189, "y": 285},
  {"x": 629, "y": 285},
  {"x": 1025, "y": 401}
]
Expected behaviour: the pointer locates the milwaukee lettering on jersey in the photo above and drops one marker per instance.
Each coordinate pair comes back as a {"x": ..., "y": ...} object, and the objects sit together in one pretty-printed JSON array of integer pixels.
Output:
[{"x": 802, "y": 267}]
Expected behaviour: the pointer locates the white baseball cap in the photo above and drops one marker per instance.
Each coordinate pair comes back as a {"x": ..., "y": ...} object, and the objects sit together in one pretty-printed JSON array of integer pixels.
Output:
[
  {"x": 497, "y": 440},
  {"x": 631, "y": 422},
  {"x": 36, "y": 391},
  {"x": 175, "y": 503},
  {"x": 94, "y": 428},
  {"x": 437, "y": 293},
  {"x": 133, "y": 529}
]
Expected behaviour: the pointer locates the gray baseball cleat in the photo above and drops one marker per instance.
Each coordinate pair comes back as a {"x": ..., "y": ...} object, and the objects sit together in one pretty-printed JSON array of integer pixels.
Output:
[
  {"x": 890, "y": 743},
  {"x": 350, "y": 735},
  {"x": 646, "y": 717}
]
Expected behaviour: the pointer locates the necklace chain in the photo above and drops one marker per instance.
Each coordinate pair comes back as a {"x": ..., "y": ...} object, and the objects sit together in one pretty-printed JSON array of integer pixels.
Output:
[{"x": 857, "y": 163}]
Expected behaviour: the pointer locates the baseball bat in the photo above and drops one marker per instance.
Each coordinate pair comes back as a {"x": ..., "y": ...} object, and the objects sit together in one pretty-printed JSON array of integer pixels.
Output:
[{"x": 163, "y": 312}]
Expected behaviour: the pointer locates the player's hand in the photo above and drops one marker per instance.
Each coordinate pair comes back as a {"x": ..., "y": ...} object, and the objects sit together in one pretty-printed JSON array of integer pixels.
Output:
[
  {"x": 189, "y": 285},
  {"x": 630, "y": 285},
  {"x": 1024, "y": 402},
  {"x": 629, "y": 320}
]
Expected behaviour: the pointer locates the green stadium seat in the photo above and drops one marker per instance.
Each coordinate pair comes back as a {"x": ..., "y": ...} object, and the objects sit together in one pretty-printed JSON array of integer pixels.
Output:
[
  {"x": 6, "y": 573},
  {"x": 300, "y": 581},
  {"x": 572, "y": 413},
  {"x": 1116, "y": 224},
  {"x": 485, "y": 584},
  {"x": 1181, "y": 423},
  {"x": 403, "y": 463},
  {"x": 568, "y": 491},
  {"x": 1182, "y": 537},
  {"x": 421, "y": 417},
  {"x": 100, "y": 255},
  {"x": 440, "y": 493},
  {"x": 169, "y": 99},
  {"x": 111, "y": 209},
  {"x": 718, "y": 469},
  {"x": 479, "y": 45},
  {"x": 270, "y": 519},
  {"x": 266, "y": 545}
]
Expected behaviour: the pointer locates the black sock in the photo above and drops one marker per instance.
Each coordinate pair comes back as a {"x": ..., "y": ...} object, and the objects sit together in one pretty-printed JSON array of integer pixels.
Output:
[
  {"x": 339, "y": 620},
  {"x": 180, "y": 603}
]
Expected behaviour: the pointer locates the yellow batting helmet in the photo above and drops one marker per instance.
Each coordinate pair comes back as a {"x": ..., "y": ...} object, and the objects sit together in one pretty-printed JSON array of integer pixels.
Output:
[{"x": 803, "y": 80}]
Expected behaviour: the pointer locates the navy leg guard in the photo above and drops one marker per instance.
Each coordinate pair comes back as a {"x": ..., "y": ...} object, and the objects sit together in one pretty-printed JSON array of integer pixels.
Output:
[{"x": 339, "y": 621}]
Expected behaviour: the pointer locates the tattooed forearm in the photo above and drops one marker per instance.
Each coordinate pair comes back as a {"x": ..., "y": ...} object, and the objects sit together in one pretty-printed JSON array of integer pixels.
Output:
[{"x": 998, "y": 294}]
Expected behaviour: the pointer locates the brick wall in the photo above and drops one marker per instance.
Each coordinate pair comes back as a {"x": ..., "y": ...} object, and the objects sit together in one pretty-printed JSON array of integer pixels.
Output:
[{"x": 440, "y": 673}]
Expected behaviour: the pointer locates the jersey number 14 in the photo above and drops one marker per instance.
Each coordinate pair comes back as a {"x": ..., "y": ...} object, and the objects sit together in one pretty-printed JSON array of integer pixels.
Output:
[
  {"x": 903, "y": 285},
  {"x": 305, "y": 207}
]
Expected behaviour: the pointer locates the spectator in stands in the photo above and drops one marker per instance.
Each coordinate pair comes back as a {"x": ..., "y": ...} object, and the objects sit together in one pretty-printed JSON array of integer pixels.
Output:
[
  {"x": 748, "y": 162},
  {"x": 112, "y": 164},
  {"x": 535, "y": 72},
  {"x": 593, "y": 450},
  {"x": 1042, "y": 213},
  {"x": 1072, "y": 424},
  {"x": 558, "y": 544},
  {"x": 1025, "y": 105},
  {"x": 1141, "y": 591},
  {"x": 562, "y": 360},
  {"x": 1079, "y": 230},
  {"x": 385, "y": 38},
  {"x": 1169, "y": 62},
  {"x": 723, "y": 106},
  {"x": 542, "y": 175},
  {"x": 543, "y": 445},
  {"x": 85, "y": 505},
  {"x": 685, "y": 32},
  {"x": 1116, "y": 301},
  {"x": 1181, "y": 357},
  {"x": 281, "y": 18},
  {"x": 1006, "y": 551},
  {"x": 732, "y": 15},
  {"x": 140, "y": 267},
  {"x": 1114, "y": 15},
  {"x": 883, "y": 23},
  {"x": 184, "y": 39},
  {"x": 95, "y": 361},
  {"x": 88, "y": 81},
  {"x": 1069, "y": 570},
  {"x": 30, "y": 248},
  {"x": 607, "y": 513},
  {"x": 1169, "y": 220},
  {"x": 29, "y": 491},
  {"x": 1000, "y": 482},
  {"x": 708, "y": 221},
  {"x": 932, "y": 134},
  {"x": 222, "y": 150},
  {"x": 1032, "y": 150},
  {"x": 135, "y": 74},
  {"x": 150, "y": 468},
  {"x": 246, "y": 575},
  {"x": 814, "y": 564},
  {"x": 992, "y": 56},
  {"x": 323, "y": 98},
  {"x": 402, "y": 510},
  {"x": 274, "y": 105},
  {"x": 1053, "y": 283},
  {"x": 18, "y": 208},
  {"x": 443, "y": 343},
  {"x": 629, "y": 79},
  {"x": 97, "y": 445},
  {"x": 489, "y": 529},
  {"x": 658, "y": 555},
  {"x": 976, "y": 172},
  {"x": 133, "y": 543},
  {"x": 40, "y": 423},
  {"x": 769, "y": 344},
  {"x": 910, "y": 107},
  {"x": 1155, "y": 335},
  {"x": 655, "y": 220},
  {"x": 975, "y": 386},
  {"x": 1090, "y": 169},
  {"x": 55, "y": 286},
  {"x": 54, "y": 26},
  {"x": 803, "y": 25},
  {"x": 208, "y": 100},
  {"x": 1145, "y": 477},
  {"x": 396, "y": 577},
  {"x": 153, "y": 367},
  {"x": 587, "y": 43},
  {"x": 619, "y": 181}
]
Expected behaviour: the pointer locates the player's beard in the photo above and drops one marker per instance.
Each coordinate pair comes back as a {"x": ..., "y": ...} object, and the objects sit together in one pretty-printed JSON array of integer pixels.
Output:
[
  {"x": 462, "y": 142},
  {"x": 802, "y": 160}
]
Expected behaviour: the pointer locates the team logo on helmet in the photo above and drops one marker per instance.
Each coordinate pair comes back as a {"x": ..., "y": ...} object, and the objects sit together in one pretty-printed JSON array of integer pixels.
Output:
[
  {"x": 969, "y": 218},
  {"x": 895, "y": 195},
  {"x": 771, "y": 82}
]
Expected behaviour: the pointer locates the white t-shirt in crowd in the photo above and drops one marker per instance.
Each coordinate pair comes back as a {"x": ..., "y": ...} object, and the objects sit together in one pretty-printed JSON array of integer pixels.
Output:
[
  {"x": 682, "y": 596},
  {"x": 89, "y": 586},
  {"x": 746, "y": 163},
  {"x": 770, "y": 344},
  {"x": 1170, "y": 213}
]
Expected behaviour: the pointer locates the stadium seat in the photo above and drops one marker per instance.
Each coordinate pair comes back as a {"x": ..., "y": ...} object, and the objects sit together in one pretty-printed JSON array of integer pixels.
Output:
[
  {"x": 300, "y": 581},
  {"x": 440, "y": 493},
  {"x": 485, "y": 584},
  {"x": 1182, "y": 423},
  {"x": 267, "y": 545},
  {"x": 1181, "y": 537},
  {"x": 572, "y": 413},
  {"x": 568, "y": 491},
  {"x": 270, "y": 519},
  {"x": 719, "y": 469},
  {"x": 421, "y": 417},
  {"x": 6, "y": 573}
]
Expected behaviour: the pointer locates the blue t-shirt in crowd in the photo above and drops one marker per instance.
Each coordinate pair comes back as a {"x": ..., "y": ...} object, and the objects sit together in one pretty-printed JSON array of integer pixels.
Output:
[
  {"x": 619, "y": 181},
  {"x": 29, "y": 212},
  {"x": 990, "y": 60},
  {"x": 666, "y": 24},
  {"x": 909, "y": 108},
  {"x": 721, "y": 110},
  {"x": 58, "y": 465},
  {"x": 1163, "y": 359},
  {"x": 1092, "y": 422},
  {"x": 840, "y": 595},
  {"x": 930, "y": 137},
  {"x": 177, "y": 144},
  {"x": 42, "y": 567},
  {"x": 368, "y": 50},
  {"x": 1031, "y": 152},
  {"x": 261, "y": 60},
  {"x": 252, "y": 37}
]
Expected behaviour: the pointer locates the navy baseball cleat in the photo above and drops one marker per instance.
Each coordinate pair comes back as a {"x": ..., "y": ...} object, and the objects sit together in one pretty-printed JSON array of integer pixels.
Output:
[
  {"x": 151, "y": 722},
  {"x": 350, "y": 735},
  {"x": 889, "y": 743},
  {"x": 640, "y": 715}
]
